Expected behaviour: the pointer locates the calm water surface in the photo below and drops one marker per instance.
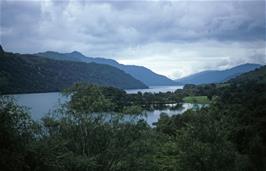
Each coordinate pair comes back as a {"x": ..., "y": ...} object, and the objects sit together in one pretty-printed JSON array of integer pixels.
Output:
[
  {"x": 153, "y": 116},
  {"x": 155, "y": 89},
  {"x": 40, "y": 104}
]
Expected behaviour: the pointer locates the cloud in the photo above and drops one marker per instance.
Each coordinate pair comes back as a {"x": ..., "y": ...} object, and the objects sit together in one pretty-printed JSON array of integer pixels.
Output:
[
  {"x": 177, "y": 60},
  {"x": 174, "y": 38}
]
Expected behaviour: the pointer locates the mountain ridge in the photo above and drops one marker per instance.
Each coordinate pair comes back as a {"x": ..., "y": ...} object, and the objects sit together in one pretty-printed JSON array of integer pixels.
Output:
[
  {"x": 141, "y": 73},
  {"x": 24, "y": 73},
  {"x": 217, "y": 76}
]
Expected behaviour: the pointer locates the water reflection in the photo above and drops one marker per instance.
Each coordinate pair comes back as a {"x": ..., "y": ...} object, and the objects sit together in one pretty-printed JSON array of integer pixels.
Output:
[{"x": 153, "y": 116}]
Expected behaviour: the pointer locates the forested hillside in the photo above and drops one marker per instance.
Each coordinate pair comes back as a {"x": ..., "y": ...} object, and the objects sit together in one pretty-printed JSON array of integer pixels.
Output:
[
  {"x": 141, "y": 73},
  {"x": 258, "y": 75},
  {"x": 27, "y": 73},
  {"x": 99, "y": 129}
]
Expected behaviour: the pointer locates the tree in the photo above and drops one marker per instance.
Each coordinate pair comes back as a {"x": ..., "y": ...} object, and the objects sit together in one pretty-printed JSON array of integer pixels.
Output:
[{"x": 15, "y": 134}]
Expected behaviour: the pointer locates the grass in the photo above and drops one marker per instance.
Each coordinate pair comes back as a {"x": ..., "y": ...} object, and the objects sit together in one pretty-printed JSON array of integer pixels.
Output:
[{"x": 196, "y": 99}]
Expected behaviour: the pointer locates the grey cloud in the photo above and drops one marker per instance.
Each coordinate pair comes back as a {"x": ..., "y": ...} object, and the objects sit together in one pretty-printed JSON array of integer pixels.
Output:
[
  {"x": 154, "y": 21},
  {"x": 137, "y": 30},
  {"x": 258, "y": 58}
]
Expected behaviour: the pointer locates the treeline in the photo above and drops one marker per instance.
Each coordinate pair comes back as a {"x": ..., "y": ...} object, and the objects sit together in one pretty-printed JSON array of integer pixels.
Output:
[
  {"x": 121, "y": 101},
  {"x": 91, "y": 132}
]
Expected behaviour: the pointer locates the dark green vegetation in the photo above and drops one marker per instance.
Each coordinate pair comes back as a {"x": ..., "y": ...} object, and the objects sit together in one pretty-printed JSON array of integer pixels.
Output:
[
  {"x": 216, "y": 76},
  {"x": 123, "y": 102},
  {"x": 91, "y": 132},
  {"x": 257, "y": 76},
  {"x": 27, "y": 73},
  {"x": 197, "y": 99},
  {"x": 143, "y": 74}
]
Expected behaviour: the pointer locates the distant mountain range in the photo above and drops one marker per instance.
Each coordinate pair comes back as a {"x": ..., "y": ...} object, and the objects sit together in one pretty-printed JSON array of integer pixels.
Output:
[
  {"x": 141, "y": 73},
  {"x": 28, "y": 73},
  {"x": 216, "y": 76}
]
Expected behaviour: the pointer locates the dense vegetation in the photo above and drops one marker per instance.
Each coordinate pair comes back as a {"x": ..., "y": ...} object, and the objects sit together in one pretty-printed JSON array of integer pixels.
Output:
[
  {"x": 121, "y": 100},
  {"x": 91, "y": 132},
  {"x": 257, "y": 76},
  {"x": 197, "y": 99},
  {"x": 27, "y": 73}
]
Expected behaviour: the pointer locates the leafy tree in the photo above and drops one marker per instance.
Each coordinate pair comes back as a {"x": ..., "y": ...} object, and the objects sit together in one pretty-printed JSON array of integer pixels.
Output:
[
  {"x": 204, "y": 143},
  {"x": 15, "y": 134}
]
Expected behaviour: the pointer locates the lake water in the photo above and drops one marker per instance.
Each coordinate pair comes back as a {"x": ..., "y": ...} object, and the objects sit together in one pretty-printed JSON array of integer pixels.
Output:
[
  {"x": 40, "y": 104},
  {"x": 155, "y": 89},
  {"x": 153, "y": 116}
]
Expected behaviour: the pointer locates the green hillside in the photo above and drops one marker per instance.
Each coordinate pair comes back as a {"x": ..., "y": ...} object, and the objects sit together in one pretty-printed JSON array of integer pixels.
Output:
[
  {"x": 26, "y": 73},
  {"x": 258, "y": 76}
]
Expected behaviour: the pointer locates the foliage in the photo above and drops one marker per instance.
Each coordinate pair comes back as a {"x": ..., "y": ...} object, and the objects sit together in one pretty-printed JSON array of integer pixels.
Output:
[
  {"x": 197, "y": 99},
  {"x": 93, "y": 132},
  {"x": 119, "y": 101},
  {"x": 258, "y": 75},
  {"x": 15, "y": 134}
]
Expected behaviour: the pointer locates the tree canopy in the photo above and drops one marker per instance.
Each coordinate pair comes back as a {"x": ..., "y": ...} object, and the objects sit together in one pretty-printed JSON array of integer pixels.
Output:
[{"x": 93, "y": 131}]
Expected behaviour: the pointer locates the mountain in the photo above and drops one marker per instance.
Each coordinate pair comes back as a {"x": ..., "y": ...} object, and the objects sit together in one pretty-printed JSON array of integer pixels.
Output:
[
  {"x": 215, "y": 76},
  {"x": 143, "y": 74},
  {"x": 28, "y": 73},
  {"x": 258, "y": 75}
]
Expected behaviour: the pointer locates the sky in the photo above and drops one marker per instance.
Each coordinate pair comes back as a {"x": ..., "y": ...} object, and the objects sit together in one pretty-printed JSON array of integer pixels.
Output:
[{"x": 172, "y": 38}]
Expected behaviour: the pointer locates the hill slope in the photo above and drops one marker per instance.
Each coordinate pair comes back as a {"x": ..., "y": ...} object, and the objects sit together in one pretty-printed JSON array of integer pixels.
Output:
[
  {"x": 216, "y": 76},
  {"x": 28, "y": 73},
  {"x": 143, "y": 74},
  {"x": 258, "y": 76}
]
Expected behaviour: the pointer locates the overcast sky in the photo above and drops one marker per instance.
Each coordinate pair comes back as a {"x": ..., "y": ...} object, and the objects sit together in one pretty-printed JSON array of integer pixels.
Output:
[{"x": 173, "y": 38}]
